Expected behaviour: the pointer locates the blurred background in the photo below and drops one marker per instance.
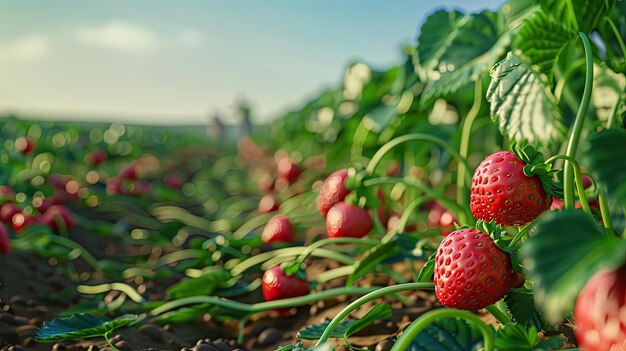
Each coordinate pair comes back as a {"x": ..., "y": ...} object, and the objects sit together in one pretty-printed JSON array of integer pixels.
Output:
[{"x": 157, "y": 62}]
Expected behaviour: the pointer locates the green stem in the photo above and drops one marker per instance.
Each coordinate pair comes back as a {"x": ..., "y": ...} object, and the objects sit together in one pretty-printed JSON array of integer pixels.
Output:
[
  {"x": 572, "y": 146},
  {"x": 329, "y": 241},
  {"x": 462, "y": 213},
  {"x": 499, "y": 312},
  {"x": 106, "y": 337},
  {"x": 76, "y": 246},
  {"x": 604, "y": 212},
  {"x": 573, "y": 165},
  {"x": 462, "y": 193},
  {"x": 411, "y": 332},
  {"x": 618, "y": 36},
  {"x": 261, "y": 306},
  {"x": 376, "y": 221},
  {"x": 122, "y": 287},
  {"x": 519, "y": 235},
  {"x": 334, "y": 273},
  {"x": 369, "y": 297},
  {"x": 405, "y": 218},
  {"x": 371, "y": 167}
]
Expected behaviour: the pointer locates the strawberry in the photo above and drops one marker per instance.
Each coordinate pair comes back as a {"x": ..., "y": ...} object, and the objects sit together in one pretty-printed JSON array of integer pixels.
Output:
[
  {"x": 501, "y": 191},
  {"x": 5, "y": 245},
  {"x": 471, "y": 272},
  {"x": 278, "y": 229},
  {"x": 276, "y": 285},
  {"x": 288, "y": 170},
  {"x": 21, "y": 221},
  {"x": 268, "y": 204},
  {"x": 130, "y": 171},
  {"x": 24, "y": 145},
  {"x": 7, "y": 211},
  {"x": 332, "y": 191},
  {"x": 57, "y": 214},
  {"x": 600, "y": 312},
  {"x": 96, "y": 157},
  {"x": 346, "y": 220},
  {"x": 440, "y": 217}
]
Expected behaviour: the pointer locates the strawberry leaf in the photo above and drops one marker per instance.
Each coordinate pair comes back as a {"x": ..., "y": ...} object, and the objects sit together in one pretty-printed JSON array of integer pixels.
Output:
[
  {"x": 603, "y": 156},
  {"x": 79, "y": 326},
  {"x": 314, "y": 332},
  {"x": 514, "y": 337},
  {"x": 378, "y": 313},
  {"x": 522, "y": 104},
  {"x": 543, "y": 53},
  {"x": 521, "y": 305},
  {"x": 566, "y": 250},
  {"x": 448, "y": 334},
  {"x": 202, "y": 285}
]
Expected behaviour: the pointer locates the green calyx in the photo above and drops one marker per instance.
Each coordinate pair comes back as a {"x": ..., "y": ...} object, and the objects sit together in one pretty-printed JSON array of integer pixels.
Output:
[
  {"x": 294, "y": 268},
  {"x": 361, "y": 195},
  {"x": 498, "y": 234},
  {"x": 535, "y": 166}
]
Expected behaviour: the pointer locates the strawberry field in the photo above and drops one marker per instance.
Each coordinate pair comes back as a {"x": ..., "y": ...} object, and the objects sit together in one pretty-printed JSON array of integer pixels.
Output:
[{"x": 471, "y": 198}]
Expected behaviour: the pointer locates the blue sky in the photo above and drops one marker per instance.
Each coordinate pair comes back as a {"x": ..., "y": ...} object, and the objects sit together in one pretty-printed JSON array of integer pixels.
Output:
[{"x": 179, "y": 62}]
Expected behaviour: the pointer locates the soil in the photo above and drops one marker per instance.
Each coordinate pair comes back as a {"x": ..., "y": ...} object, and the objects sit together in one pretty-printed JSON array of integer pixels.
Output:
[{"x": 35, "y": 289}]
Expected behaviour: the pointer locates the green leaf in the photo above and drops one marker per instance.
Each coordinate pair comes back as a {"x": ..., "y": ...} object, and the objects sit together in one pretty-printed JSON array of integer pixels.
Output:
[
  {"x": 514, "y": 337},
  {"x": 203, "y": 285},
  {"x": 448, "y": 335},
  {"x": 378, "y": 313},
  {"x": 436, "y": 35},
  {"x": 184, "y": 314},
  {"x": 428, "y": 271},
  {"x": 567, "y": 249},
  {"x": 314, "y": 332},
  {"x": 522, "y": 104},
  {"x": 603, "y": 157},
  {"x": 80, "y": 326},
  {"x": 541, "y": 40},
  {"x": 476, "y": 45},
  {"x": 578, "y": 15},
  {"x": 521, "y": 305}
]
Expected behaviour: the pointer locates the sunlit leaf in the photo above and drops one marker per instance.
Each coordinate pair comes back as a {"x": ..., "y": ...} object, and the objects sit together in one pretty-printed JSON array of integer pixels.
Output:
[
  {"x": 514, "y": 337},
  {"x": 541, "y": 40},
  {"x": 567, "y": 249},
  {"x": 314, "y": 332},
  {"x": 80, "y": 326},
  {"x": 522, "y": 104},
  {"x": 378, "y": 313},
  {"x": 578, "y": 15},
  {"x": 521, "y": 305}
]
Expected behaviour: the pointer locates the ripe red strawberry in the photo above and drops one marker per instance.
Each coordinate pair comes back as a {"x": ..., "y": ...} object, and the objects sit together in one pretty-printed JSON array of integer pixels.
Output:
[
  {"x": 5, "y": 245},
  {"x": 346, "y": 220},
  {"x": 21, "y": 221},
  {"x": 276, "y": 285},
  {"x": 332, "y": 191},
  {"x": 96, "y": 157},
  {"x": 471, "y": 272},
  {"x": 268, "y": 204},
  {"x": 288, "y": 170},
  {"x": 7, "y": 211},
  {"x": 600, "y": 312},
  {"x": 440, "y": 217},
  {"x": 278, "y": 229},
  {"x": 502, "y": 192},
  {"x": 57, "y": 214},
  {"x": 130, "y": 171},
  {"x": 24, "y": 145}
]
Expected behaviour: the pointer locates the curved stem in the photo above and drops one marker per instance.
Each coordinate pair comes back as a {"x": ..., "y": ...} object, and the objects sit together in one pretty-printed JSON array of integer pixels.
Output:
[
  {"x": 466, "y": 131},
  {"x": 122, "y": 287},
  {"x": 462, "y": 213},
  {"x": 319, "y": 244},
  {"x": 376, "y": 222},
  {"x": 261, "y": 306},
  {"x": 106, "y": 337},
  {"x": 404, "y": 218},
  {"x": 572, "y": 146},
  {"x": 577, "y": 177},
  {"x": 334, "y": 273},
  {"x": 405, "y": 340},
  {"x": 618, "y": 36},
  {"x": 371, "y": 167},
  {"x": 61, "y": 240},
  {"x": 604, "y": 212},
  {"x": 369, "y": 297},
  {"x": 520, "y": 235}
]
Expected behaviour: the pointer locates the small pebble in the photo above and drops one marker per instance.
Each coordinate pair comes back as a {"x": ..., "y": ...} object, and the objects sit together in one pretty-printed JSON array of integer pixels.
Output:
[
  {"x": 93, "y": 348},
  {"x": 16, "y": 348},
  {"x": 384, "y": 345},
  {"x": 122, "y": 345},
  {"x": 168, "y": 328},
  {"x": 8, "y": 318},
  {"x": 152, "y": 331},
  {"x": 17, "y": 300},
  {"x": 58, "y": 347},
  {"x": 116, "y": 338},
  {"x": 268, "y": 336},
  {"x": 29, "y": 341},
  {"x": 221, "y": 346},
  {"x": 204, "y": 347}
]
